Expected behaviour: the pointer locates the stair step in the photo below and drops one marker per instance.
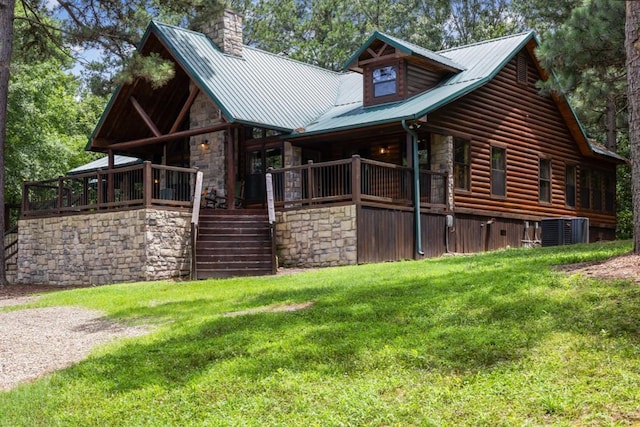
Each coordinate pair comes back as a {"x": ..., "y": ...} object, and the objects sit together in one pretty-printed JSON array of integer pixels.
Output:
[
  {"x": 240, "y": 240},
  {"x": 233, "y": 243},
  {"x": 225, "y": 222},
  {"x": 233, "y": 231},
  {"x": 217, "y": 274},
  {"x": 237, "y": 258},
  {"x": 242, "y": 265},
  {"x": 228, "y": 248}
]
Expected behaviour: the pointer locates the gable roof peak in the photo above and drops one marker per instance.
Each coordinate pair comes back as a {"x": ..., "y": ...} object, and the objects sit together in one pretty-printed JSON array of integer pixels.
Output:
[{"x": 406, "y": 48}]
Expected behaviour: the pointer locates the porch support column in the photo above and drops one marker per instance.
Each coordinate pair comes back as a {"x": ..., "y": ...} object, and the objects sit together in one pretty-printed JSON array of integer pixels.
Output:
[
  {"x": 111, "y": 166},
  {"x": 413, "y": 137},
  {"x": 231, "y": 170}
]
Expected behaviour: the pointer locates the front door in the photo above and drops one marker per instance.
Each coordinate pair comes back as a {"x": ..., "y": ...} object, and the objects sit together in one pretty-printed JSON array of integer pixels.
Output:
[{"x": 258, "y": 161}]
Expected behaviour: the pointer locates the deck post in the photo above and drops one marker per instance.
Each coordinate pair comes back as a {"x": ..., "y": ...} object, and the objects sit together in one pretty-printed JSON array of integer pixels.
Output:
[
  {"x": 25, "y": 198},
  {"x": 231, "y": 173},
  {"x": 310, "y": 181},
  {"x": 100, "y": 189},
  {"x": 356, "y": 177},
  {"x": 148, "y": 183},
  {"x": 110, "y": 184},
  {"x": 60, "y": 192}
]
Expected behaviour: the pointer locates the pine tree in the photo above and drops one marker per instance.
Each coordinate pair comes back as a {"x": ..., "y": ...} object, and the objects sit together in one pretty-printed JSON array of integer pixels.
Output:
[{"x": 586, "y": 54}]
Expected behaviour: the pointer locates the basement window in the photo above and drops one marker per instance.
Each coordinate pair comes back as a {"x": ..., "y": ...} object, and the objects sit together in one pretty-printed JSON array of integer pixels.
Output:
[{"x": 385, "y": 81}]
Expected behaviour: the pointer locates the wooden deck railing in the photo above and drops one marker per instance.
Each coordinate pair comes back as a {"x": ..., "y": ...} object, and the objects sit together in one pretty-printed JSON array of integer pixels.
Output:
[
  {"x": 142, "y": 185},
  {"x": 355, "y": 180}
]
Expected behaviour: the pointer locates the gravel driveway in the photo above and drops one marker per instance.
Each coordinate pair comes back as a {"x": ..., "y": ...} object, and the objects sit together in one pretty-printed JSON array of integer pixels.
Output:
[{"x": 37, "y": 341}]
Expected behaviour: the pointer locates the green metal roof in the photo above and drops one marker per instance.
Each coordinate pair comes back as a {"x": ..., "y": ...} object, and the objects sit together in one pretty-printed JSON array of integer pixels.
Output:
[
  {"x": 103, "y": 163},
  {"x": 405, "y": 47},
  {"x": 481, "y": 62},
  {"x": 258, "y": 88},
  {"x": 272, "y": 91}
]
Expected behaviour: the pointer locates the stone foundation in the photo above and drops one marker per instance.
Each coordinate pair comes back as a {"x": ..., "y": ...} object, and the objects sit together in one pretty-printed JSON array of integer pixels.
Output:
[
  {"x": 101, "y": 248},
  {"x": 319, "y": 237}
]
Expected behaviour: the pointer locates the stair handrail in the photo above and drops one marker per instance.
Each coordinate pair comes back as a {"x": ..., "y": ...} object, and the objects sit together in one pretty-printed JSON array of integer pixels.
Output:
[
  {"x": 195, "y": 218},
  {"x": 272, "y": 219},
  {"x": 9, "y": 251}
]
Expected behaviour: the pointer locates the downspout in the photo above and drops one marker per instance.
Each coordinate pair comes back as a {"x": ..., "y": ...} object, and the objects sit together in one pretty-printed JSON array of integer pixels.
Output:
[{"x": 416, "y": 187}]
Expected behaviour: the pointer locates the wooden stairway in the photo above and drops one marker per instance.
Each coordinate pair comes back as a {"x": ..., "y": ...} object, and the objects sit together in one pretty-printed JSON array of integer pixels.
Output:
[{"x": 234, "y": 242}]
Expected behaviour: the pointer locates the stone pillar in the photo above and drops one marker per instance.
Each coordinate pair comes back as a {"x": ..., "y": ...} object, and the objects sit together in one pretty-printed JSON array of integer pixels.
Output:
[
  {"x": 292, "y": 179},
  {"x": 442, "y": 161},
  {"x": 226, "y": 32},
  {"x": 207, "y": 151}
]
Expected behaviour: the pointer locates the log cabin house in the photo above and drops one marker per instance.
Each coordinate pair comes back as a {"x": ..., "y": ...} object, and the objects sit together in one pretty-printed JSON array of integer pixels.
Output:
[{"x": 407, "y": 153}]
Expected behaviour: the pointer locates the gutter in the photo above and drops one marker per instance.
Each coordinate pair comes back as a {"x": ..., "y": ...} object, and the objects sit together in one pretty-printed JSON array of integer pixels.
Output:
[{"x": 416, "y": 187}]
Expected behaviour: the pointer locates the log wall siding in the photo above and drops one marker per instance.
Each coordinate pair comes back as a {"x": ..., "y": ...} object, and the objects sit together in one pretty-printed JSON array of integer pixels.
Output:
[
  {"x": 508, "y": 114},
  {"x": 420, "y": 79}
]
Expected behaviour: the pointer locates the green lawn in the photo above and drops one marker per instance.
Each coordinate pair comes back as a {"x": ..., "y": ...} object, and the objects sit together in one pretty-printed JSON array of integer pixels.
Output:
[{"x": 491, "y": 339}]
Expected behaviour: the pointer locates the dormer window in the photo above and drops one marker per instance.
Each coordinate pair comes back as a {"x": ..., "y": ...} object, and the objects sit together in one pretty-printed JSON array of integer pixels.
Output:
[
  {"x": 394, "y": 70},
  {"x": 385, "y": 81}
]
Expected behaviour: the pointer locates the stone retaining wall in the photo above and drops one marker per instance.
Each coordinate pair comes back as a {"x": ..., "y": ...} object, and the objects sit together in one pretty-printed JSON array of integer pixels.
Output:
[
  {"x": 101, "y": 248},
  {"x": 319, "y": 237}
]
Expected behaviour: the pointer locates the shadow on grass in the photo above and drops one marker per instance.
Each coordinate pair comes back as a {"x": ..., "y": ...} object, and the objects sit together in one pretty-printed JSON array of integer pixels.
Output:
[{"x": 465, "y": 316}]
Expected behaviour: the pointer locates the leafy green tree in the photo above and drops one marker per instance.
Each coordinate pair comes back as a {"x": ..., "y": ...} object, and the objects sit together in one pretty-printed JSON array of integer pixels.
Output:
[{"x": 48, "y": 124}]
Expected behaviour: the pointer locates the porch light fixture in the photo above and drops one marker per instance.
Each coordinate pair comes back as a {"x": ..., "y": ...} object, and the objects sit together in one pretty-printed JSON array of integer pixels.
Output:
[{"x": 205, "y": 143}]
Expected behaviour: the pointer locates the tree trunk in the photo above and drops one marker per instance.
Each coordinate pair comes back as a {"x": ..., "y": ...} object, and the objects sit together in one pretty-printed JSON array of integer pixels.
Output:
[
  {"x": 6, "y": 46},
  {"x": 632, "y": 46}
]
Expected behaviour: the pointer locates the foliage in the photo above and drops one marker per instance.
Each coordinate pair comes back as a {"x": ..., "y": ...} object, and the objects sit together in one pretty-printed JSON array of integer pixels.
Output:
[
  {"x": 624, "y": 207},
  {"x": 48, "y": 125},
  {"x": 48, "y": 118},
  {"x": 326, "y": 32},
  {"x": 545, "y": 15},
  {"x": 114, "y": 29},
  {"x": 491, "y": 339},
  {"x": 587, "y": 55}
]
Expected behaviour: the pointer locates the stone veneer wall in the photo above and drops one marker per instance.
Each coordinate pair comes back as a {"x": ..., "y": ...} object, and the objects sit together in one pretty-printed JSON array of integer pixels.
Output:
[
  {"x": 442, "y": 160},
  {"x": 210, "y": 159},
  {"x": 320, "y": 237},
  {"x": 101, "y": 248}
]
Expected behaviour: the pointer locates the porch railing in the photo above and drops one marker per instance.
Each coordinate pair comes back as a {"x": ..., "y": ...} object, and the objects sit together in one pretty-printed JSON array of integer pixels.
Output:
[
  {"x": 355, "y": 180},
  {"x": 142, "y": 185}
]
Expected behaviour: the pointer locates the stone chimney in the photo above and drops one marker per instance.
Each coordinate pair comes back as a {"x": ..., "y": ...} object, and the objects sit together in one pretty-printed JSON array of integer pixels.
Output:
[{"x": 226, "y": 32}]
